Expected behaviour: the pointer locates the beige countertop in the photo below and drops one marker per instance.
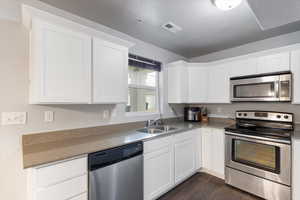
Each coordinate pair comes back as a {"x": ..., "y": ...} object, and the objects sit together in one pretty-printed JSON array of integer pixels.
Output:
[{"x": 43, "y": 148}]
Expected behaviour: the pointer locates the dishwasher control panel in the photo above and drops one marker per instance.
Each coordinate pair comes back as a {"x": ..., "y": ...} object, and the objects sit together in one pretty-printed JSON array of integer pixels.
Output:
[{"x": 108, "y": 157}]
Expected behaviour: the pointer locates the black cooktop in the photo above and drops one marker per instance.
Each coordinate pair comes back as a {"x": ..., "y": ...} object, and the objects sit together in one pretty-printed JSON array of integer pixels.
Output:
[{"x": 260, "y": 131}]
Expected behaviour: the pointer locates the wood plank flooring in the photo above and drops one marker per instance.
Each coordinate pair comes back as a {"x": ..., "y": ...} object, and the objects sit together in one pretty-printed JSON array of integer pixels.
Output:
[{"x": 206, "y": 187}]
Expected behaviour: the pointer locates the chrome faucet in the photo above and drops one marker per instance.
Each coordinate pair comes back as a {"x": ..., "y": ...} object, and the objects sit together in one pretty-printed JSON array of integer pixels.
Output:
[{"x": 154, "y": 122}]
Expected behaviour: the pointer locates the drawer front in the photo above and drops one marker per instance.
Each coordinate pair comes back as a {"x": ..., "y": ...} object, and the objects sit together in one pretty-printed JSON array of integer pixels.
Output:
[
  {"x": 53, "y": 174},
  {"x": 83, "y": 196},
  {"x": 157, "y": 144},
  {"x": 65, "y": 190},
  {"x": 185, "y": 135}
]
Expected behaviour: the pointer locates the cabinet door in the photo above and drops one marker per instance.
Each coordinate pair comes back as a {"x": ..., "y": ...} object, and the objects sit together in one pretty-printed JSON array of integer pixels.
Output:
[
  {"x": 185, "y": 157},
  {"x": 198, "y": 139},
  {"x": 207, "y": 142},
  {"x": 110, "y": 66},
  {"x": 83, "y": 196},
  {"x": 177, "y": 82},
  {"x": 218, "y": 84},
  {"x": 243, "y": 67},
  {"x": 274, "y": 63},
  {"x": 218, "y": 152},
  {"x": 158, "y": 172},
  {"x": 197, "y": 84},
  {"x": 295, "y": 68},
  {"x": 61, "y": 60},
  {"x": 296, "y": 166}
]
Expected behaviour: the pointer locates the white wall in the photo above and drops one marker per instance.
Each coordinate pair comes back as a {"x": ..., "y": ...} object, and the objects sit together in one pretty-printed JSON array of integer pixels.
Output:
[
  {"x": 14, "y": 97},
  {"x": 9, "y": 9}
]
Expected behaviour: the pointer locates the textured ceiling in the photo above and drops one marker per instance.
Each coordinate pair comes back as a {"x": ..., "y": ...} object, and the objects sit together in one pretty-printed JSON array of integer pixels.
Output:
[{"x": 205, "y": 28}]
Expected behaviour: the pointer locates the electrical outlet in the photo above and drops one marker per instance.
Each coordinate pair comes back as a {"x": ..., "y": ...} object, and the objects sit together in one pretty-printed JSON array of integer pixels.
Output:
[
  {"x": 105, "y": 114},
  {"x": 13, "y": 118},
  {"x": 48, "y": 116}
]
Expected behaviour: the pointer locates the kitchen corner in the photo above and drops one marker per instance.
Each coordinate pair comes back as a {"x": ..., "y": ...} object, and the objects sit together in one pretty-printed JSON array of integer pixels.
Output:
[
  {"x": 43, "y": 148},
  {"x": 149, "y": 100}
]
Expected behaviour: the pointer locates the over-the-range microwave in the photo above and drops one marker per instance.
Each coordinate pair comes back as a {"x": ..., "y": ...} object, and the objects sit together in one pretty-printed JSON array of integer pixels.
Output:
[{"x": 263, "y": 87}]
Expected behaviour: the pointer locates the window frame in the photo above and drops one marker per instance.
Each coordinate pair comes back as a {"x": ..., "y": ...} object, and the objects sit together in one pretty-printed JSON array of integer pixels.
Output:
[{"x": 156, "y": 88}]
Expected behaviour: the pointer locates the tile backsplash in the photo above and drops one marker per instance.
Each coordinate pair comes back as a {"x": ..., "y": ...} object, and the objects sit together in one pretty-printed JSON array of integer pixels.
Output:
[{"x": 228, "y": 110}]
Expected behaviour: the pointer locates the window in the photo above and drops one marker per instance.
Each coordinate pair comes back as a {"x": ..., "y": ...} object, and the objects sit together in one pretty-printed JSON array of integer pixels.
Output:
[{"x": 143, "y": 88}]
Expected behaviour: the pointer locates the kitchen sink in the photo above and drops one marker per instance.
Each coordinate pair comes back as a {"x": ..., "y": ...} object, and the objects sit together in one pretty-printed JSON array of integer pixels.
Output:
[{"x": 157, "y": 129}]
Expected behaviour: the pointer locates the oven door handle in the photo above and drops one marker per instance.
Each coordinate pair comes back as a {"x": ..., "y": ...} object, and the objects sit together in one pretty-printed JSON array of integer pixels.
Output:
[{"x": 258, "y": 139}]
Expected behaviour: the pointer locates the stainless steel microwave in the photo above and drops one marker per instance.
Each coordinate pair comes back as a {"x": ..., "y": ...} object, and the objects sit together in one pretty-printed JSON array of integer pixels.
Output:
[{"x": 264, "y": 87}]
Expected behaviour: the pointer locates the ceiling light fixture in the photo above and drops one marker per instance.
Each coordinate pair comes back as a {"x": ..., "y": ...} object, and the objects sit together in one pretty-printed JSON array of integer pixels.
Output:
[{"x": 226, "y": 4}]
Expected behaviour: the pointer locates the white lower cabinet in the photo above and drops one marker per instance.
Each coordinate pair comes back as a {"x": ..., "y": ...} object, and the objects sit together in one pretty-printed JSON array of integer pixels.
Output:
[
  {"x": 158, "y": 172},
  {"x": 213, "y": 151},
  {"x": 66, "y": 180},
  {"x": 83, "y": 196},
  {"x": 207, "y": 140},
  {"x": 168, "y": 161},
  {"x": 185, "y": 156},
  {"x": 295, "y": 170}
]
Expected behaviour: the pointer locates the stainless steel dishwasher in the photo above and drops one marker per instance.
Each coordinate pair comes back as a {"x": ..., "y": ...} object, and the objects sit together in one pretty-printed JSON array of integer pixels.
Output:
[{"x": 117, "y": 174}]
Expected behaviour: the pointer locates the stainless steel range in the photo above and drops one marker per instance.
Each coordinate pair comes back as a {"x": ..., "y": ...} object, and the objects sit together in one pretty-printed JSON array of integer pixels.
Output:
[{"x": 258, "y": 154}]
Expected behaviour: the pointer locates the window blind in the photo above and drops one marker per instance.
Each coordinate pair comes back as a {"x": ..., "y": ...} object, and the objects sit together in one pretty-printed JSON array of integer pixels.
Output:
[{"x": 138, "y": 61}]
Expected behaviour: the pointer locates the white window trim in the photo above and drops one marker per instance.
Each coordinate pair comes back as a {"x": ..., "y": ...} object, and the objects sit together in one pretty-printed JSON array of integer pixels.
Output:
[{"x": 157, "y": 88}]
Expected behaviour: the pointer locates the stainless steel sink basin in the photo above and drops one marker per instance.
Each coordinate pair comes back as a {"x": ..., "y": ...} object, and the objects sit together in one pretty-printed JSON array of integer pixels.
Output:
[
  {"x": 157, "y": 129},
  {"x": 166, "y": 128}
]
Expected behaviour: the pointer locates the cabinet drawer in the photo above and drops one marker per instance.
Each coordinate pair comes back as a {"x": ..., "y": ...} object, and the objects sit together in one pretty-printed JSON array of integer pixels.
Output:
[
  {"x": 83, "y": 196},
  {"x": 64, "y": 190},
  {"x": 184, "y": 136},
  {"x": 156, "y": 144},
  {"x": 56, "y": 173}
]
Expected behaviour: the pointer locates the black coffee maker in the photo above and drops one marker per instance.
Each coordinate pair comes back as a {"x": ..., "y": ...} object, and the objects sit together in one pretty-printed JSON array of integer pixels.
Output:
[{"x": 192, "y": 114}]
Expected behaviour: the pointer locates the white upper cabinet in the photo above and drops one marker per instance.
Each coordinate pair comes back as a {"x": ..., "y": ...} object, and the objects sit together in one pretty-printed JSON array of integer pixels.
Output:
[
  {"x": 110, "y": 66},
  {"x": 60, "y": 64},
  {"x": 74, "y": 64},
  {"x": 178, "y": 82},
  {"x": 274, "y": 63},
  {"x": 295, "y": 68},
  {"x": 243, "y": 67},
  {"x": 218, "y": 84},
  {"x": 197, "y": 83}
]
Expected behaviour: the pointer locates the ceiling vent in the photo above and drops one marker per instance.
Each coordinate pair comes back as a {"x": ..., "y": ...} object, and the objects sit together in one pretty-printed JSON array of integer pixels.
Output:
[{"x": 171, "y": 27}]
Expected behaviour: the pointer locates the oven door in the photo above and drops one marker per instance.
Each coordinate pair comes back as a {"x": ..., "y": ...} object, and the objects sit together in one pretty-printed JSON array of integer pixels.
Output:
[
  {"x": 266, "y": 159},
  {"x": 264, "y": 88}
]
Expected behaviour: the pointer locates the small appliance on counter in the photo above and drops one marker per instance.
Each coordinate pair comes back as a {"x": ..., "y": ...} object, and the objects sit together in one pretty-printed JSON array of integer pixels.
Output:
[{"x": 192, "y": 114}]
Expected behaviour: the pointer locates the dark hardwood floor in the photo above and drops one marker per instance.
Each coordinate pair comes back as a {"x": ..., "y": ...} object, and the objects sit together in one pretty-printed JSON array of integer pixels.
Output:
[{"x": 206, "y": 187}]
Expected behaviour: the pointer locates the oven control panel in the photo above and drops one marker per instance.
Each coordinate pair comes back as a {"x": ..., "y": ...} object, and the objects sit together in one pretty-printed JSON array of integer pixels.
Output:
[{"x": 263, "y": 115}]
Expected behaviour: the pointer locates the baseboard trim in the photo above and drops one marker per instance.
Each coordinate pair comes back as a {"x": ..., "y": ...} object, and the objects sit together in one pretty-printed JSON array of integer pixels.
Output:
[{"x": 213, "y": 173}]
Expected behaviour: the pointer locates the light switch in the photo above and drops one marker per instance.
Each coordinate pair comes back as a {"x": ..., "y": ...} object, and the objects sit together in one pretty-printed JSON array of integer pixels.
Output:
[
  {"x": 13, "y": 118},
  {"x": 49, "y": 116}
]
